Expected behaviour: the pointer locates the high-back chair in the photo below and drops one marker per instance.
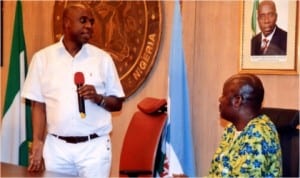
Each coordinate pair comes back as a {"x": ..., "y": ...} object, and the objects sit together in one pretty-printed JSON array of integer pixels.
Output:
[
  {"x": 142, "y": 138},
  {"x": 287, "y": 124}
]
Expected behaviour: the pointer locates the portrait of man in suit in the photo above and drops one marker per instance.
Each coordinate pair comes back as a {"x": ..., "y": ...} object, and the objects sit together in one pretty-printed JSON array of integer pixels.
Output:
[{"x": 272, "y": 40}]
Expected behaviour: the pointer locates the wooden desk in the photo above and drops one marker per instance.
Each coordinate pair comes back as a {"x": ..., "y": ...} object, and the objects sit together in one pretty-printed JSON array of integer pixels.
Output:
[{"x": 11, "y": 170}]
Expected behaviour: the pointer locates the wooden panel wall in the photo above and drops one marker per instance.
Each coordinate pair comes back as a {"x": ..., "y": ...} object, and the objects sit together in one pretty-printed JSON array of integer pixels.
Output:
[
  {"x": 216, "y": 55},
  {"x": 216, "y": 58},
  {"x": 211, "y": 43}
]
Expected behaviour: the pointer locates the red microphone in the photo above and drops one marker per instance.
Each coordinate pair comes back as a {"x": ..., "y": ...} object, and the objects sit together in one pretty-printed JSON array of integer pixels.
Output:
[{"x": 79, "y": 81}]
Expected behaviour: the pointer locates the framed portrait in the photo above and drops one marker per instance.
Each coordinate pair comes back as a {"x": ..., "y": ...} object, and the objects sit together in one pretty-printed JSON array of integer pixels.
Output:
[{"x": 275, "y": 52}]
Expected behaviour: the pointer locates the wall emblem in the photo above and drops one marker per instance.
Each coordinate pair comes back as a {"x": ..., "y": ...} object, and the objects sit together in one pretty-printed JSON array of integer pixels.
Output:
[{"x": 129, "y": 30}]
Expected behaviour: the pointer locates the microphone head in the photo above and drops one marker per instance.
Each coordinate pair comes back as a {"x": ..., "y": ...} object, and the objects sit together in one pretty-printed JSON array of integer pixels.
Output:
[{"x": 79, "y": 78}]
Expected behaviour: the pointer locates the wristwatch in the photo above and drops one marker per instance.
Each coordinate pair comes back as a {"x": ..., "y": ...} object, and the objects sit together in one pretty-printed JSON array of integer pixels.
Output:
[{"x": 102, "y": 102}]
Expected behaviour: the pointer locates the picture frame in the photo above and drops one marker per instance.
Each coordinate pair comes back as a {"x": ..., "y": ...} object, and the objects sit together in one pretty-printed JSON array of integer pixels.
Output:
[{"x": 286, "y": 63}]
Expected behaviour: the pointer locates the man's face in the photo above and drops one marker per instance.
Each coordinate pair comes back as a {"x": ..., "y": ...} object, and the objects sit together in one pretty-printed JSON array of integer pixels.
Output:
[
  {"x": 225, "y": 106},
  {"x": 80, "y": 26},
  {"x": 267, "y": 17}
]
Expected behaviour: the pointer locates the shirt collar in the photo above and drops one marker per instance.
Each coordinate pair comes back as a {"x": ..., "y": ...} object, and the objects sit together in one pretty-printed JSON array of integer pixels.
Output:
[
  {"x": 269, "y": 37},
  {"x": 62, "y": 46}
]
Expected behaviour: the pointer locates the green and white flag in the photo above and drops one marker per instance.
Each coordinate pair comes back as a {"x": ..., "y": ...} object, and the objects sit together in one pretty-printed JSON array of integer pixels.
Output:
[
  {"x": 16, "y": 128},
  {"x": 254, "y": 17}
]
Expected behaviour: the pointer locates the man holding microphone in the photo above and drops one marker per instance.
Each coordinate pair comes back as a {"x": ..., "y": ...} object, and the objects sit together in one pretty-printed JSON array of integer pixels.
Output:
[{"x": 65, "y": 140}]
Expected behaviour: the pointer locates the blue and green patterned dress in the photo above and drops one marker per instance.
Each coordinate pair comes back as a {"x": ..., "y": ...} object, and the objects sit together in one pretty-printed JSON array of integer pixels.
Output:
[{"x": 255, "y": 152}]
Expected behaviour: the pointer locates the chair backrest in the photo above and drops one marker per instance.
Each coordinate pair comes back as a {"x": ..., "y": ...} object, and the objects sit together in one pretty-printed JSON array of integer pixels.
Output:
[
  {"x": 287, "y": 124},
  {"x": 142, "y": 139}
]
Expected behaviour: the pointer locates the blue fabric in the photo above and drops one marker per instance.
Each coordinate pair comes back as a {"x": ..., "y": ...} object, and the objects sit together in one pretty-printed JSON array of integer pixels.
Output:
[{"x": 179, "y": 131}]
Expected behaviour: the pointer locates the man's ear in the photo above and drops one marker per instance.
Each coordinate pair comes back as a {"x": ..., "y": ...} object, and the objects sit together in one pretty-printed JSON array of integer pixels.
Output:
[{"x": 236, "y": 101}]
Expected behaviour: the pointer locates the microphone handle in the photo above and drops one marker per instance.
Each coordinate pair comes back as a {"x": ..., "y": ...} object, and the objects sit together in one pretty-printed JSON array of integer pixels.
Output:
[{"x": 81, "y": 104}]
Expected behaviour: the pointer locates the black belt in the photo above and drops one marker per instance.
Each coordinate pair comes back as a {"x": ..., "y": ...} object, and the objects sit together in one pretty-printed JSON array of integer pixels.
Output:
[{"x": 72, "y": 139}]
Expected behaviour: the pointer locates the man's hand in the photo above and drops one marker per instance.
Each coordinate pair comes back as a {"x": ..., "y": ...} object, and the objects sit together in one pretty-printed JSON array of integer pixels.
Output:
[{"x": 36, "y": 163}]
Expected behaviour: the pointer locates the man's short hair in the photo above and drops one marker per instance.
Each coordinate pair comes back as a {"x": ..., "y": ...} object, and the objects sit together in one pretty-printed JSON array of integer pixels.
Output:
[{"x": 250, "y": 89}]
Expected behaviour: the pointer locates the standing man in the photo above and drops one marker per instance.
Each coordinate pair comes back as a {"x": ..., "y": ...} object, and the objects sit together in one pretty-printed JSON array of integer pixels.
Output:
[
  {"x": 271, "y": 40},
  {"x": 62, "y": 139},
  {"x": 250, "y": 145}
]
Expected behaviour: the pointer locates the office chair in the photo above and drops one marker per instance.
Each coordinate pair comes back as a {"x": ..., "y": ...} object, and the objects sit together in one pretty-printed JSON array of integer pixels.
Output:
[
  {"x": 287, "y": 124},
  {"x": 142, "y": 138}
]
